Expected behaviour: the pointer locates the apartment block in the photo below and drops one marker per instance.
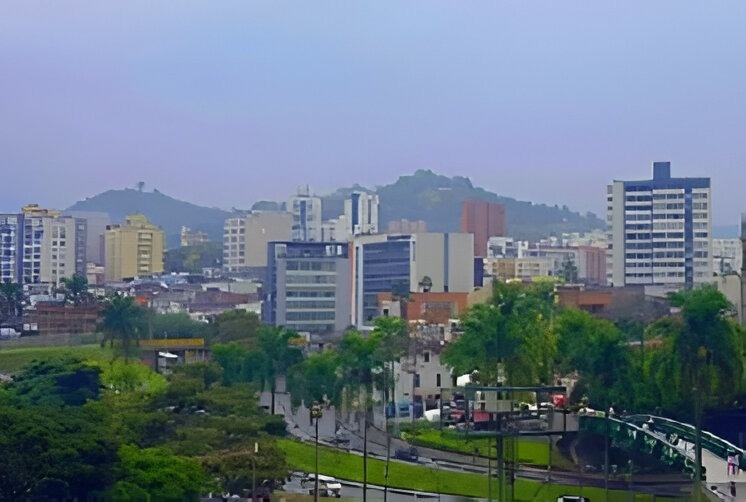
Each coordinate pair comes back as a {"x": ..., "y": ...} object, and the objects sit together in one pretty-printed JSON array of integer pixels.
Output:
[
  {"x": 134, "y": 249},
  {"x": 659, "y": 230},
  {"x": 307, "y": 219},
  {"x": 361, "y": 213},
  {"x": 307, "y": 287},
  {"x": 245, "y": 239}
]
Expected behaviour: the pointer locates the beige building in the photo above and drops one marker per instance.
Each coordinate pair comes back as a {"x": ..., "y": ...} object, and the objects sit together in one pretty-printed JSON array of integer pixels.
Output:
[
  {"x": 517, "y": 268},
  {"x": 134, "y": 249},
  {"x": 245, "y": 238}
]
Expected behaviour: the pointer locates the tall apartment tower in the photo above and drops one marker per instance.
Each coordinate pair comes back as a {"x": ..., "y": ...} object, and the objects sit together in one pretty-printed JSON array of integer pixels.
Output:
[
  {"x": 484, "y": 220},
  {"x": 361, "y": 213},
  {"x": 11, "y": 247},
  {"x": 245, "y": 239},
  {"x": 306, "y": 211},
  {"x": 660, "y": 230},
  {"x": 134, "y": 249}
]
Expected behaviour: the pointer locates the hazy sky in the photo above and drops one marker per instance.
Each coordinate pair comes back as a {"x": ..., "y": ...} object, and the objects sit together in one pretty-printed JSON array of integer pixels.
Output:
[{"x": 225, "y": 103}]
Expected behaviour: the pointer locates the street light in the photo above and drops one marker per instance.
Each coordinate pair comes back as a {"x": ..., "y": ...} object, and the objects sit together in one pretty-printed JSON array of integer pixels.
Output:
[
  {"x": 316, "y": 414},
  {"x": 253, "y": 471}
]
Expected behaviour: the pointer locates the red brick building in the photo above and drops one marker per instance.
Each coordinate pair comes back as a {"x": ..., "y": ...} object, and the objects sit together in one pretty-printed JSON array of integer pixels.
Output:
[{"x": 484, "y": 220}]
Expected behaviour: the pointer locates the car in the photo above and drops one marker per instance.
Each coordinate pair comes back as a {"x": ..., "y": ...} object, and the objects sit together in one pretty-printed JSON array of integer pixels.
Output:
[
  {"x": 572, "y": 498},
  {"x": 328, "y": 486}
]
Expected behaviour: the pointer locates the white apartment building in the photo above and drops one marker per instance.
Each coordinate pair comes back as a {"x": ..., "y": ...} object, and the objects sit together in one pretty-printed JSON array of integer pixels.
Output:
[
  {"x": 659, "y": 230},
  {"x": 727, "y": 256},
  {"x": 361, "y": 213},
  {"x": 306, "y": 211}
]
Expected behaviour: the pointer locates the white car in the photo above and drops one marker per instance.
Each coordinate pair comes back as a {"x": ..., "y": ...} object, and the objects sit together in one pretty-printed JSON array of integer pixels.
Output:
[{"x": 328, "y": 486}]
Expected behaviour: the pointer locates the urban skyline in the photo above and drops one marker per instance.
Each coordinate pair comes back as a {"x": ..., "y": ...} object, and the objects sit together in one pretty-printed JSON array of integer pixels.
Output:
[{"x": 226, "y": 105}]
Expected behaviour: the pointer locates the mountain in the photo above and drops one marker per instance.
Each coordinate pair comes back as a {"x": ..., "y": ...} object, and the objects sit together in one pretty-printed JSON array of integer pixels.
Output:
[
  {"x": 423, "y": 195},
  {"x": 168, "y": 213},
  {"x": 437, "y": 200}
]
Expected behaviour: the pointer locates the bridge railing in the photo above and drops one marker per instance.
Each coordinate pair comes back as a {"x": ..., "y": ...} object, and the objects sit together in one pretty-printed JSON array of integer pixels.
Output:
[{"x": 675, "y": 430}]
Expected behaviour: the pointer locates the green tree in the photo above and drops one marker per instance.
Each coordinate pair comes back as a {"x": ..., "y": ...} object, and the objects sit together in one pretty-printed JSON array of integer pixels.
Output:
[
  {"x": 317, "y": 377},
  {"x": 598, "y": 351},
  {"x": 75, "y": 289},
  {"x": 11, "y": 300},
  {"x": 278, "y": 350},
  {"x": 237, "y": 326},
  {"x": 123, "y": 321},
  {"x": 701, "y": 353}
]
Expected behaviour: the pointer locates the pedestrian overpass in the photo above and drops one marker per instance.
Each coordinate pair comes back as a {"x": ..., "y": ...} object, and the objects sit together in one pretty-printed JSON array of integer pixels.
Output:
[{"x": 669, "y": 441}]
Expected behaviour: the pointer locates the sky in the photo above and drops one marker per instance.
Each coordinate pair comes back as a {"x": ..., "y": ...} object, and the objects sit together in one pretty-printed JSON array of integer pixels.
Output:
[{"x": 226, "y": 103}]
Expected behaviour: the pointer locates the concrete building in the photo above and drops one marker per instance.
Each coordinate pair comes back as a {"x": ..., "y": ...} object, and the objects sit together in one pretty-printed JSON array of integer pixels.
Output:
[
  {"x": 41, "y": 246},
  {"x": 307, "y": 287},
  {"x": 245, "y": 239},
  {"x": 409, "y": 263},
  {"x": 336, "y": 230},
  {"x": 524, "y": 269},
  {"x": 191, "y": 237},
  {"x": 483, "y": 219},
  {"x": 11, "y": 247},
  {"x": 660, "y": 230},
  {"x": 361, "y": 213},
  {"x": 405, "y": 226},
  {"x": 726, "y": 256},
  {"x": 134, "y": 249},
  {"x": 307, "y": 219},
  {"x": 96, "y": 223}
]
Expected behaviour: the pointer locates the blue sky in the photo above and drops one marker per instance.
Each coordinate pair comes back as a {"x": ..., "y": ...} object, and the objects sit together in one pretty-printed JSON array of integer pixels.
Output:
[{"x": 226, "y": 103}]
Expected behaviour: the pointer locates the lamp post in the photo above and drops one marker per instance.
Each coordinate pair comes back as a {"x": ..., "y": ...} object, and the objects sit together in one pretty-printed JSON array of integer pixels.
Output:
[
  {"x": 253, "y": 472},
  {"x": 316, "y": 414}
]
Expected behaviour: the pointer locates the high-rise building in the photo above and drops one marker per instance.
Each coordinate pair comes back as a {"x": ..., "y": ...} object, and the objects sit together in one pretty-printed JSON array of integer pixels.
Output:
[
  {"x": 405, "y": 226},
  {"x": 307, "y": 287},
  {"x": 409, "y": 263},
  {"x": 134, "y": 249},
  {"x": 245, "y": 239},
  {"x": 306, "y": 211},
  {"x": 41, "y": 246},
  {"x": 483, "y": 219},
  {"x": 361, "y": 213},
  {"x": 659, "y": 230}
]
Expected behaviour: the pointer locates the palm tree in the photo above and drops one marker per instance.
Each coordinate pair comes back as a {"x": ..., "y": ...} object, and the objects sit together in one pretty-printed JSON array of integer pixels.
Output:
[
  {"x": 278, "y": 352},
  {"x": 123, "y": 320}
]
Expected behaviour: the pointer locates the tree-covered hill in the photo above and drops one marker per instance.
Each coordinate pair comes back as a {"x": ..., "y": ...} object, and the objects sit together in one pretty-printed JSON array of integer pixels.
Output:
[
  {"x": 168, "y": 213},
  {"x": 423, "y": 195}
]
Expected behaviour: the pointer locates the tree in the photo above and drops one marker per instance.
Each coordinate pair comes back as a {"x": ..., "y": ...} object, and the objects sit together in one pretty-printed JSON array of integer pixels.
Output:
[
  {"x": 278, "y": 350},
  {"x": 702, "y": 350},
  {"x": 390, "y": 337},
  {"x": 124, "y": 321},
  {"x": 598, "y": 351},
  {"x": 317, "y": 378},
  {"x": 237, "y": 326},
  {"x": 11, "y": 300},
  {"x": 75, "y": 289}
]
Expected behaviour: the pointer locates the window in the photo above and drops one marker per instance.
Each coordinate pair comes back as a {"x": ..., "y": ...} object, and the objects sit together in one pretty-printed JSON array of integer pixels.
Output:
[
  {"x": 426, "y": 357},
  {"x": 437, "y": 379},
  {"x": 416, "y": 380}
]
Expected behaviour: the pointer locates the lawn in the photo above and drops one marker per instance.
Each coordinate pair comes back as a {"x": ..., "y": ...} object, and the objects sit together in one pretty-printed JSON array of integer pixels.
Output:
[
  {"x": 301, "y": 456},
  {"x": 14, "y": 359}
]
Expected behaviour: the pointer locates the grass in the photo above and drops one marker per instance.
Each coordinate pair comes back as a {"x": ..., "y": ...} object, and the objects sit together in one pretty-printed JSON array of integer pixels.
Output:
[
  {"x": 14, "y": 359},
  {"x": 301, "y": 456}
]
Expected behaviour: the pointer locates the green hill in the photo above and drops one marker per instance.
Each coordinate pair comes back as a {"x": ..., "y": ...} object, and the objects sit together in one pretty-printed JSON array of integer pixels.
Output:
[
  {"x": 168, "y": 213},
  {"x": 423, "y": 195},
  {"x": 437, "y": 200}
]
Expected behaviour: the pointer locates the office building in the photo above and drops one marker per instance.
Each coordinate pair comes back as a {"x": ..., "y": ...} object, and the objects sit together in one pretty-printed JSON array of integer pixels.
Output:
[
  {"x": 361, "y": 213},
  {"x": 659, "y": 230},
  {"x": 133, "y": 250},
  {"x": 307, "y": 287},
  {"x": 409, "y": 263},
  {"x": 245, "y": 239},
  {"x": 484, "y": 220},
  {"x": 306, "y": 211}
]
